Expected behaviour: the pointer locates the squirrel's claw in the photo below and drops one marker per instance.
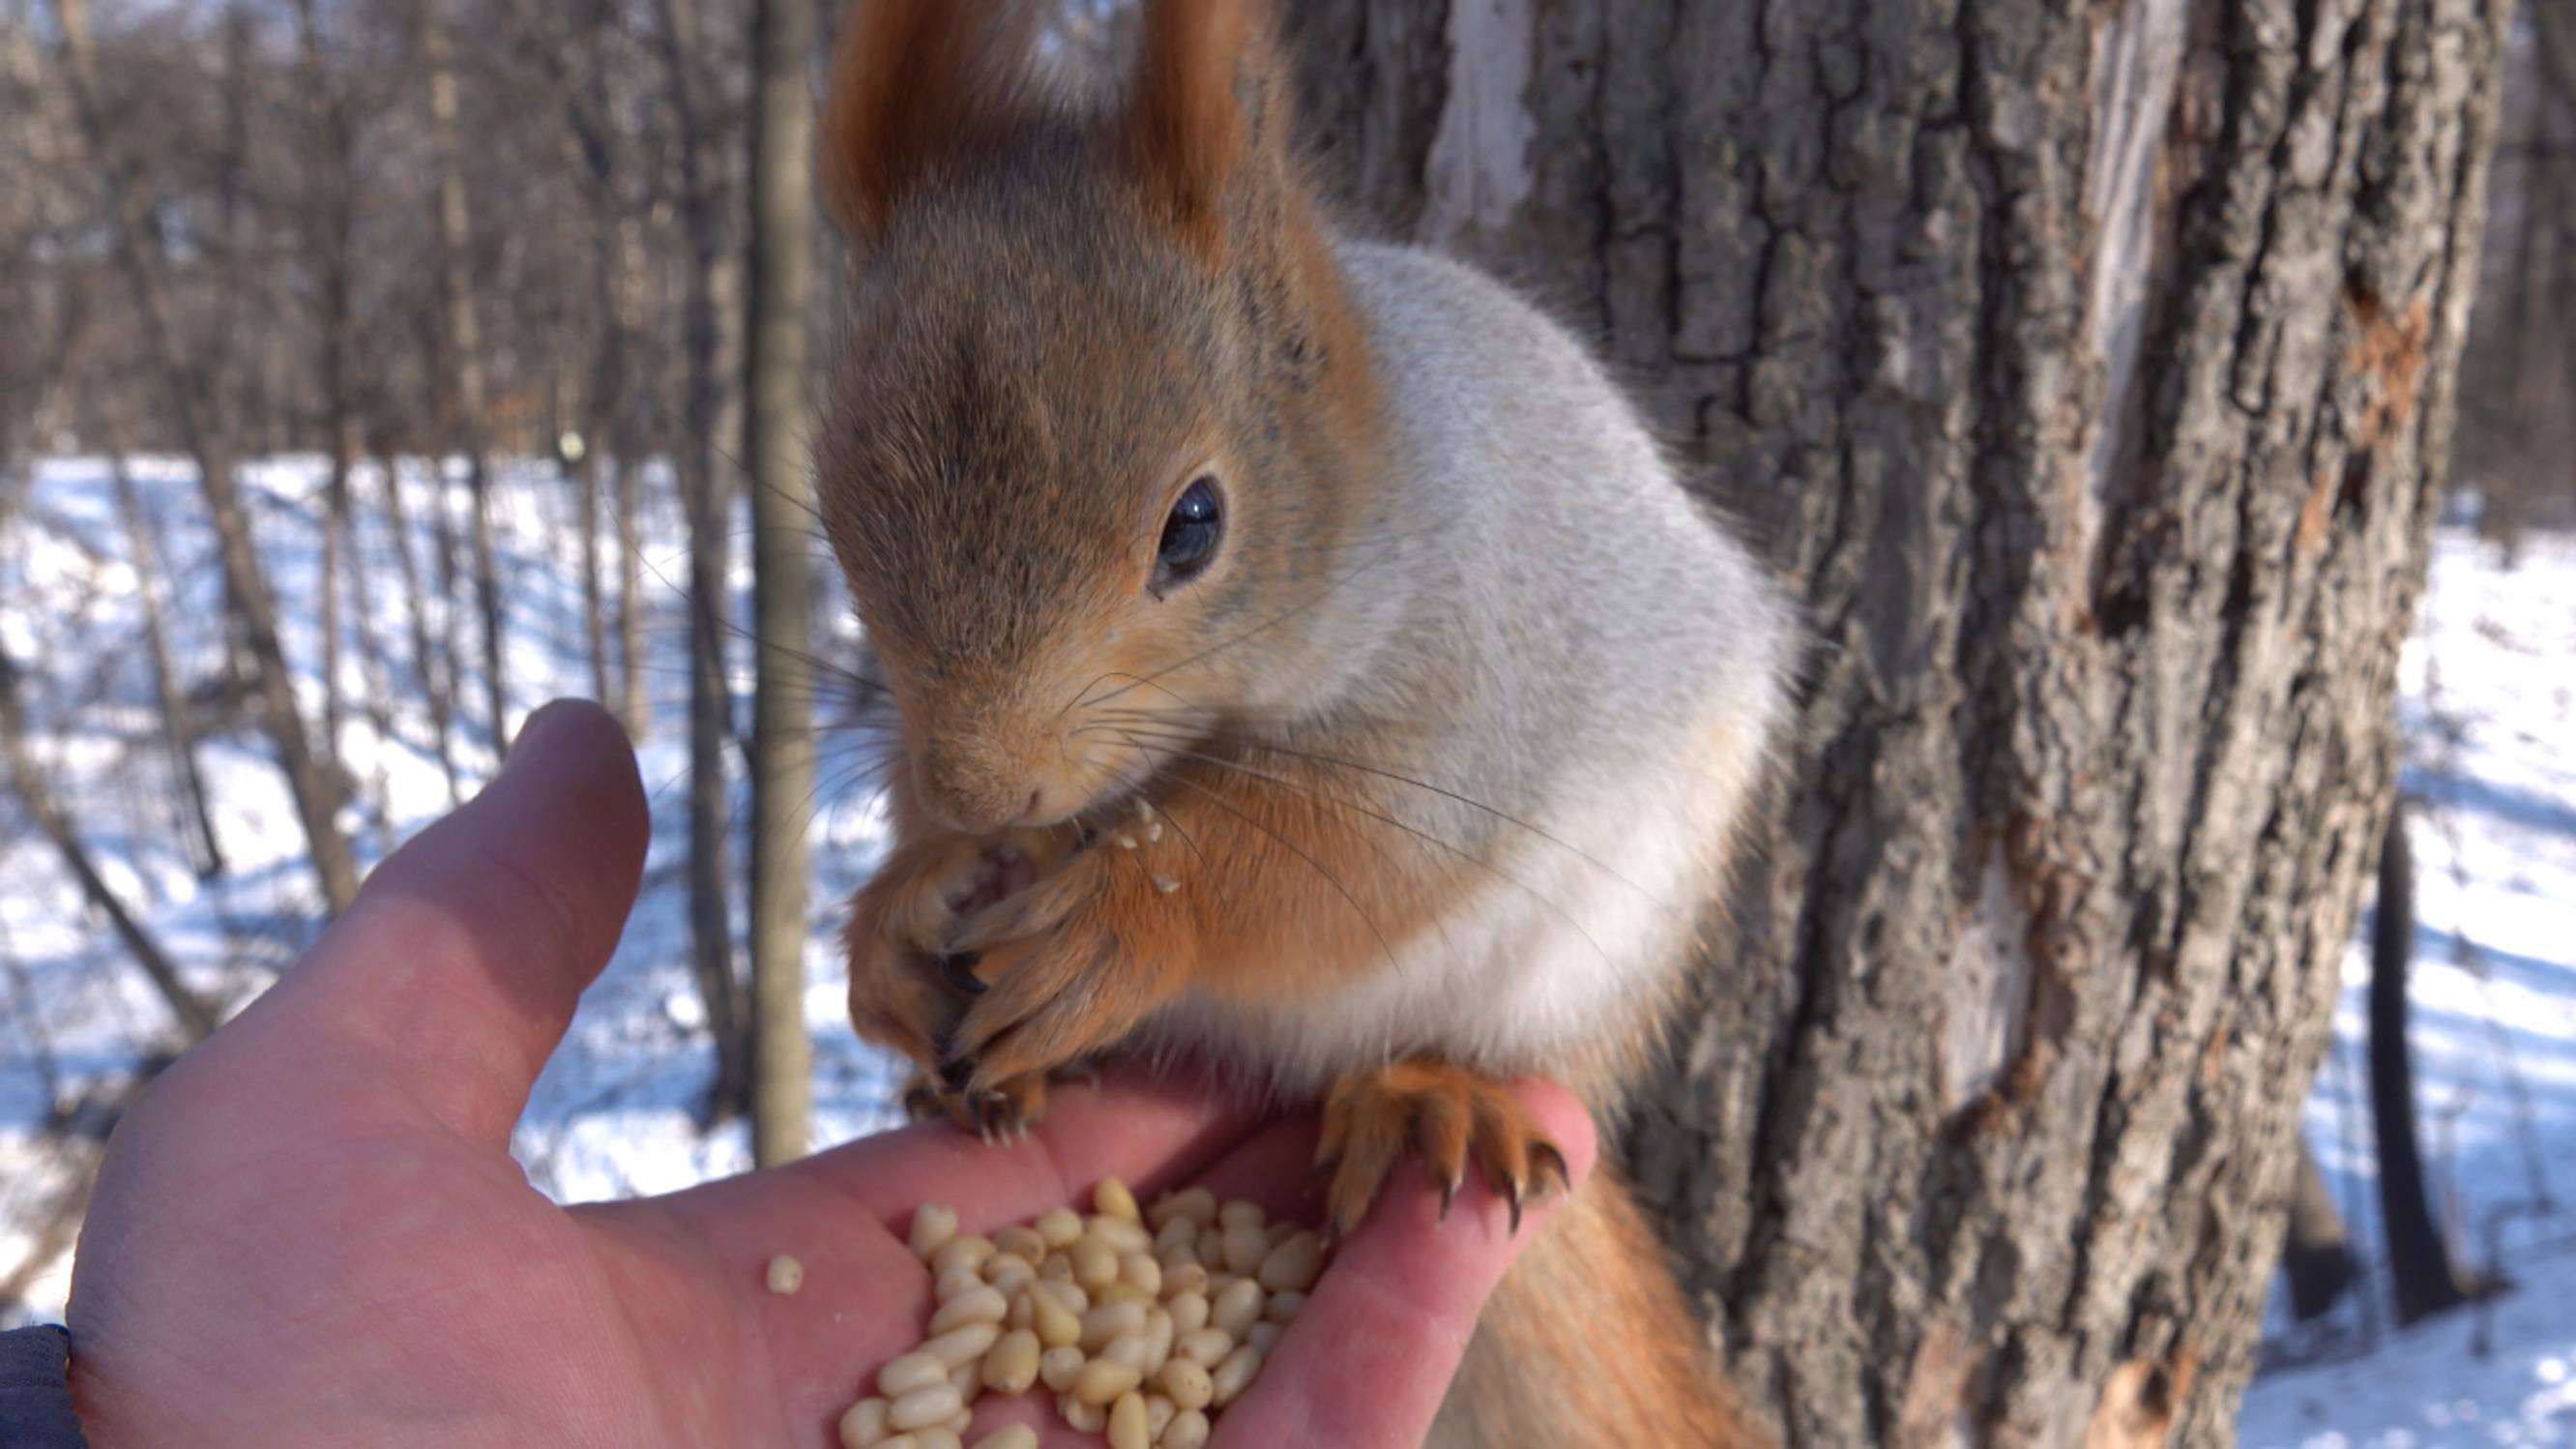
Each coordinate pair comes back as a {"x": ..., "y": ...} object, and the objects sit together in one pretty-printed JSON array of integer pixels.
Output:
[{"x": 1445, "y": 1115}]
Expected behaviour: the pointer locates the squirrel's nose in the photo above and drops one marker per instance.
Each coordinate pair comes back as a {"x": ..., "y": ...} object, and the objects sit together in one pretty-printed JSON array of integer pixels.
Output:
[{"x": 973, "y": 794}]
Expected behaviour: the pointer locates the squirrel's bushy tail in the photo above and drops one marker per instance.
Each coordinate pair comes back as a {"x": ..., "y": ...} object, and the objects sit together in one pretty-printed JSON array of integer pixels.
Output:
[{"x": 1587, "y": 1343}]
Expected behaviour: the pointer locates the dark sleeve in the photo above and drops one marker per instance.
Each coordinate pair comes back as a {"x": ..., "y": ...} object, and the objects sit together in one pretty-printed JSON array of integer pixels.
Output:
[{"x": 36, "y": 1390}]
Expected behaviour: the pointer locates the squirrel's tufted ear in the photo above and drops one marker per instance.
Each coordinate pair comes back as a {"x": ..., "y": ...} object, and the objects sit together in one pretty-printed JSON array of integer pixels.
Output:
[
  {"x": 914, "y": 85},
  {"x": 1188, "y": 132}
]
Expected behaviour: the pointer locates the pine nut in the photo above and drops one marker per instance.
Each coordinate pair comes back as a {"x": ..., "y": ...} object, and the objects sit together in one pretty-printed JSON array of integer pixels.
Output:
[
  {"x": 959, "y": 1279},
  {"x": 976, "y": 1305},
  {"x": 1125, "y": 1235},
  {"x": 1264, "y": 1336},
  {"x": 1017, "y": 1436},
  {"x": 1058, "y": 1226},
  {"x": 1112, "y": 1199},
  {"x": 1236, "y": 1309},
  {"x": 1292, "y": 1266},
  {"x": 1197, "y": 1204},
  {"x": 1055, "y": 1326},
  {"x": 1095, "y": 1263},
  {"x": 1141, "y": 1270},
  {"x": 1189, "y": 1311},
  {"x": 863, "y": 1423},
  {"x": 1283, "y": 1307},
  {"x": 963, "y": 1344},
  {"x": 1232, "y": 1375},
  {"x": 1159, "y": 1413},
  {"x": 1059, "y": 1367},
  {"x": 941, "y": 1437},
  {"x": 911, "y": 1372},
  {"x": 1021, "y": 1242},
  {"x": 1241, "y": 1214},
  {"x": 1012, "y": 1365},
  {"x": 1127, "y": 1423},
  {"x": 1108, "y": 1321},
  {"x": 1188, "y": 1384},
  {"x": 924, "y": 1407},
  {"x": 932, "y": 1227},
  {"x": 1206, "y": 1347},
  {"x": 1245, "y": 1247},
  {"x": 786, "y": 1275},
  {"x": 962, "y": 1252},
  {"x": 1189, "y": 1431},
  {"x": 1082, "y": 1417},
  {"x": 1102, "y": 1381}
]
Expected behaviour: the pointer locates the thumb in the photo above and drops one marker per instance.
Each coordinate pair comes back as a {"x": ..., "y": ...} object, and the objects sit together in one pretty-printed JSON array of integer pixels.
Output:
[{"x": 448, "y": 983}]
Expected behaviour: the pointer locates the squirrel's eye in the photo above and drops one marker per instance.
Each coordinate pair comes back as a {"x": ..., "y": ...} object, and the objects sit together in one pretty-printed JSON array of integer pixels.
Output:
[{"x": 1190, "y": 535}]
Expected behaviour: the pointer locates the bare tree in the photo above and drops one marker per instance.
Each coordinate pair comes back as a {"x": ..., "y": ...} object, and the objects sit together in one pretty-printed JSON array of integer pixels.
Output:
[
  {"x": 312, "y": 777},
  {"x": 196, "y": 1018},
  {"x": 461, "y": 312},
  {"x": 2088, "y": 368},
  {"x": 709, "y": 505}
]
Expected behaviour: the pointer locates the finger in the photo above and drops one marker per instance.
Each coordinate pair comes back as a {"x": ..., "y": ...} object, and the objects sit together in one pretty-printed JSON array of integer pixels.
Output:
[
  {"x": 1395, "y": 1307},
  {"x": 1148, "y": 1132},
  {"x": 442, "y": 991}
]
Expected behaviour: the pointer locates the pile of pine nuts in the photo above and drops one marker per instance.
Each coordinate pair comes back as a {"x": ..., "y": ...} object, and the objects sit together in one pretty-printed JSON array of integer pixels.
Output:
[{"x": 1143, "y": 1324}]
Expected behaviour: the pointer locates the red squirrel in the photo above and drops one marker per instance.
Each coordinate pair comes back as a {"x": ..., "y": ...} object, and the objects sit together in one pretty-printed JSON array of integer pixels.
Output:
[{"x": 1304, "y": 658}]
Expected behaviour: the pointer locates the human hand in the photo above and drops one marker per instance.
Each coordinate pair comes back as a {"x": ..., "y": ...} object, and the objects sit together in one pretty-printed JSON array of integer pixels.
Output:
[{"x": 310, "y": 1230}]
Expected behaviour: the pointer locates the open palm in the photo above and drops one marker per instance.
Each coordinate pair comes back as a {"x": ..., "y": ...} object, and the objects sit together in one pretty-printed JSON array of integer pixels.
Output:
[{"x": 310, "y": 1231}]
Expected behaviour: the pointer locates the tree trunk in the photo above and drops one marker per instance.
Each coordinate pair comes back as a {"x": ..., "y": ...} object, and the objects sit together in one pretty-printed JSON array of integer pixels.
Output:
[
  {"x": 709, "y": 505},
  {"x": 178, "y": 733},
  {"x": 2316, "y": 1257},
  {"x": 196, "y": 1018},
  {"x": 312, "y": 778},
  {"x": 782, "y": 728},
  {"x": 426, "y": 654},
  {"x": 462, "y": 313},
  {"x": 2088, "y": 370},
  {"x": 2423, "y": 1281}
]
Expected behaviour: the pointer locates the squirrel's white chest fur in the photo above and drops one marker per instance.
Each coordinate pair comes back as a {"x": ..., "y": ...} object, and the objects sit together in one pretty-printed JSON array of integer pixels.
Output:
[{"x": 1600, "y": 664}]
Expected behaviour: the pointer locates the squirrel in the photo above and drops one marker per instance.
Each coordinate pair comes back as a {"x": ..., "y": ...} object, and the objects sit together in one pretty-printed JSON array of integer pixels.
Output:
[{"x": 1302, "y": 656}]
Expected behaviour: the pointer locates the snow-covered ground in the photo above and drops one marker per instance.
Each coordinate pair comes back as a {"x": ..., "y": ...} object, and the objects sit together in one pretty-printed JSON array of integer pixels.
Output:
[
  {"x": 2490, "y": 697},
  {"x": 2490, "y": 721},
  {"x": 612, "y": 1114}
]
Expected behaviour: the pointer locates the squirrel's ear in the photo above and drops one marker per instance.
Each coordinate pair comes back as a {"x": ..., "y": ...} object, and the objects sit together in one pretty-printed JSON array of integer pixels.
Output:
[
  {"x": 914, "y": 83},
  {"x": 1186, "y": 127}
]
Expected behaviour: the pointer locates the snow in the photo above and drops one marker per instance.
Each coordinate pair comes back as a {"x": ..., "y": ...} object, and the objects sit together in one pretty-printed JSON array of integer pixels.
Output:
[
  {"x": 2489, "y": 693},
  {"x": 613, "y": 1113}
]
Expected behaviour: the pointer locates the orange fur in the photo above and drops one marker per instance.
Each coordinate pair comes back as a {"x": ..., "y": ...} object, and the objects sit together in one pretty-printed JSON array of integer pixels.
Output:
[
  {"x": 1184, "y": 125},
  {"x": 1082, "y": 957},
  {"x": 1587, "y": 1341},
  {"x": 912, "y": 87}
]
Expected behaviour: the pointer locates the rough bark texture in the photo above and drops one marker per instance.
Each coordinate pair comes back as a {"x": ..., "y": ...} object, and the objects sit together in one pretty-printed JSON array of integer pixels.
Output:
[
  {"x": 2087, "y": 369},
  {"x": 782, "y": 513}
]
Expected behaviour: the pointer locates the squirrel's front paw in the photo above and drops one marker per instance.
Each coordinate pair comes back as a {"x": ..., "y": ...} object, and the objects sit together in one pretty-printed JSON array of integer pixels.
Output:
[
  {"x": 1445, "y": 1113},
  {"x": 908, "y": 983},
  {"x": 1069, "y": 967}
]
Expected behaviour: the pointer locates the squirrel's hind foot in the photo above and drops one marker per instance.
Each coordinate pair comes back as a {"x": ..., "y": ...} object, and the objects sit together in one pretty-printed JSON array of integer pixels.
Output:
[{"x": 1446, "y": 1114}]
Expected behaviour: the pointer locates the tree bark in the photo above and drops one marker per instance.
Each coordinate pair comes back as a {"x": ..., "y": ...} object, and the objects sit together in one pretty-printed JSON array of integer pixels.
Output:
[
  {"x": 709, "y": 505},
  {"x": 2088, "y": 371},
  {"x": 782, "y": 728}
]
